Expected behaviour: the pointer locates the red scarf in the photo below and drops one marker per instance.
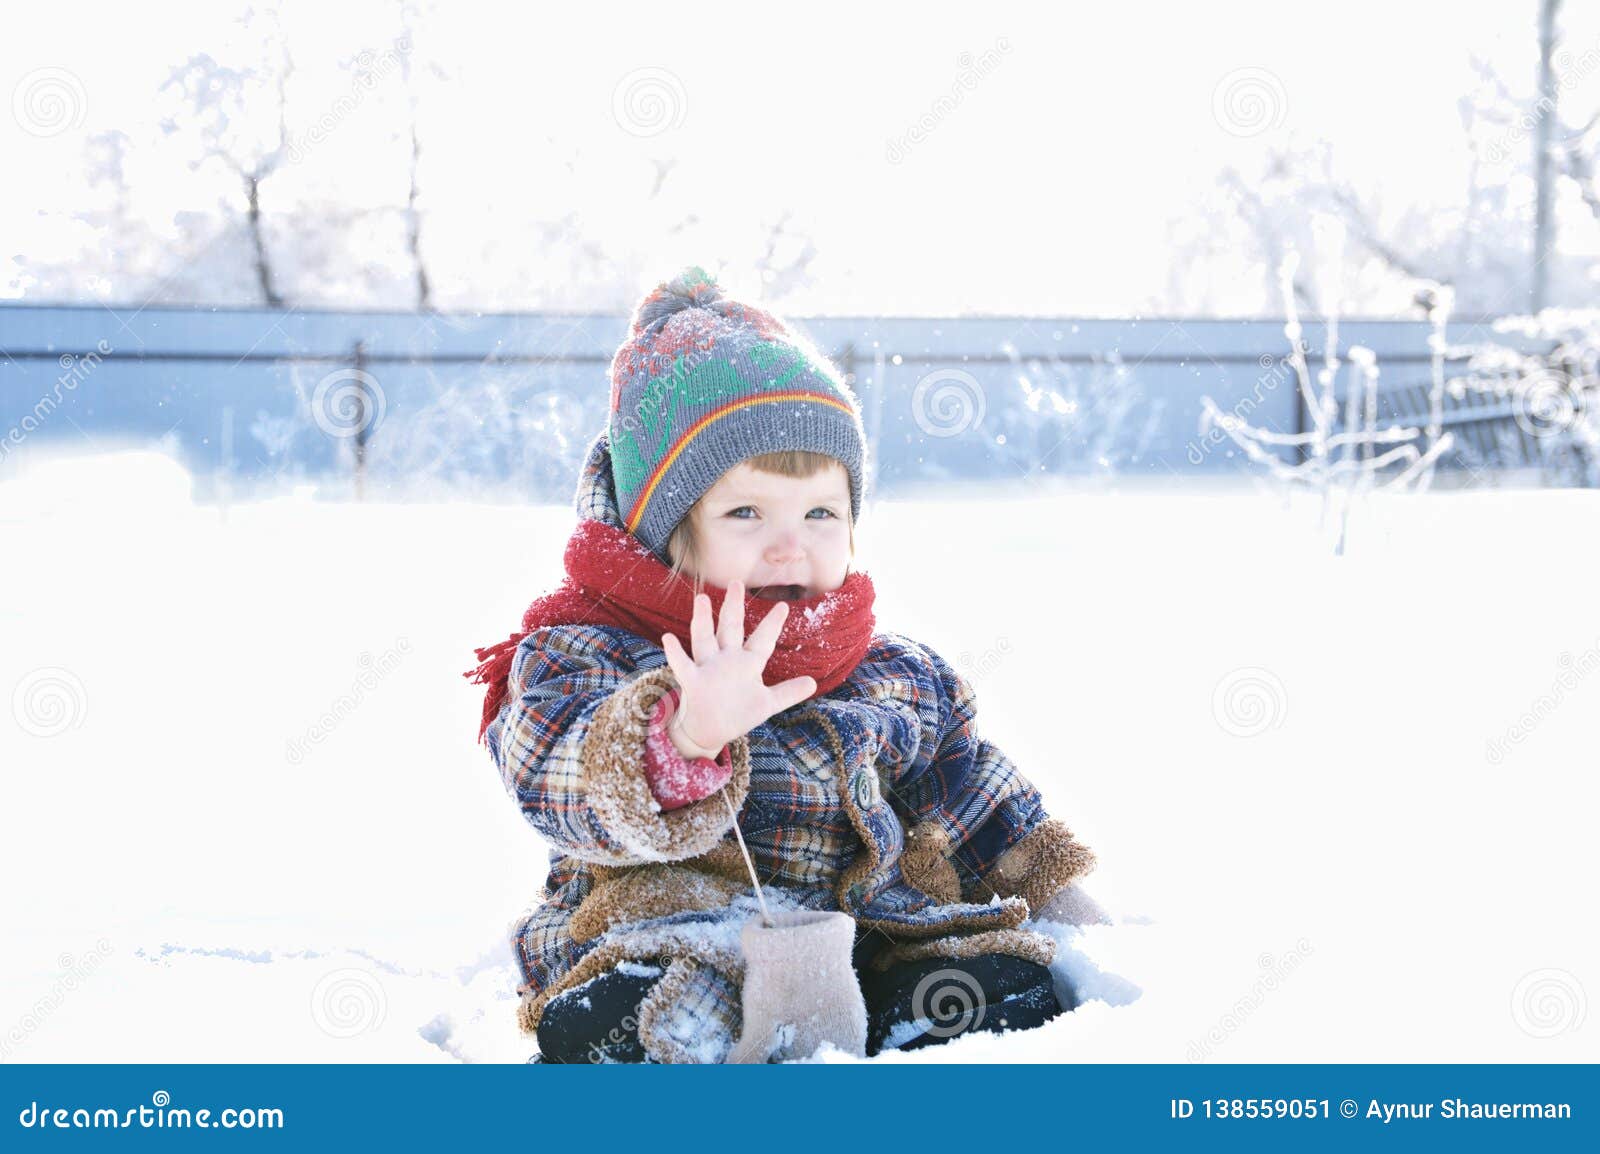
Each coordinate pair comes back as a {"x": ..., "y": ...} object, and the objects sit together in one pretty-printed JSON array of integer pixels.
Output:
[{"x": 613, "y": 579}]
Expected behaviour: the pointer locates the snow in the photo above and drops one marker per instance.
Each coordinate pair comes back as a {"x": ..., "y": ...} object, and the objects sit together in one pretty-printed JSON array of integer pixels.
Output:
[
  {"x": 638, "y": 970},
  {"x": 1387, "y": 866}
]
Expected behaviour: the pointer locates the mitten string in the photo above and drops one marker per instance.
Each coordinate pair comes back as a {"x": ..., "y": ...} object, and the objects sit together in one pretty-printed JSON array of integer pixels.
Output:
[{"x": 766, "y": 916}]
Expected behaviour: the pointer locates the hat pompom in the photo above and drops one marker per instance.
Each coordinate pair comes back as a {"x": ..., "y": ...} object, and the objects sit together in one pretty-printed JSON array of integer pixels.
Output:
[{"x": 692, "y": 288}]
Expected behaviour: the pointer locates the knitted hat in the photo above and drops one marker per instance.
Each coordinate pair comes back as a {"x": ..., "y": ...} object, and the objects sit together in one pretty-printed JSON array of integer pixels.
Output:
[{"x": 703, "y": 383}]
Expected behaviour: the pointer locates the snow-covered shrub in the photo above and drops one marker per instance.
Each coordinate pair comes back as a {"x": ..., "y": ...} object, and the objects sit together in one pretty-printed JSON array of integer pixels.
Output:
[
  {"x": 1342, "y": 458},
  {"x": 1554, "y": 395}
]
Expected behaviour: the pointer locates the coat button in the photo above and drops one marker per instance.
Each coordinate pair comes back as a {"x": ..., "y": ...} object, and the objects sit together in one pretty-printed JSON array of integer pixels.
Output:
[{"x": 864, "y": 787}]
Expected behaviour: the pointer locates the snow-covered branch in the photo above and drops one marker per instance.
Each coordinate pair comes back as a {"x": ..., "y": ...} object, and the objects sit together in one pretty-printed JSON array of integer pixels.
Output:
[{"x": 1341, "y": 458}]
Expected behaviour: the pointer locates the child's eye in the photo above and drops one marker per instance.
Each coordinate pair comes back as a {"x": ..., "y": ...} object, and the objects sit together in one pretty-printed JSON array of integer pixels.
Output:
[{"x": 741, "y": 512}]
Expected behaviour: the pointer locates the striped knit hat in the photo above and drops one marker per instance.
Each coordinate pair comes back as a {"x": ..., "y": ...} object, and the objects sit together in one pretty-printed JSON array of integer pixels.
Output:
[{"x": 703, "y": 383}]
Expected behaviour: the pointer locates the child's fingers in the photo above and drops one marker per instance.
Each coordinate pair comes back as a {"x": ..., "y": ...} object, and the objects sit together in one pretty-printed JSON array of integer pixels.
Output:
[
  {"x": 792, "y": 692},
  {"x": 764, "y": 637},
  {"x": 730, "y": 629},
  {"x": 701, "y": 635},
  {"x": 677, "y": 660}
]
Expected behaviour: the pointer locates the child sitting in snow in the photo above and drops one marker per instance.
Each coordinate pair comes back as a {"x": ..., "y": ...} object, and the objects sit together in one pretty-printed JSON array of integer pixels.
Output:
[{"x": 711, "y": 657}]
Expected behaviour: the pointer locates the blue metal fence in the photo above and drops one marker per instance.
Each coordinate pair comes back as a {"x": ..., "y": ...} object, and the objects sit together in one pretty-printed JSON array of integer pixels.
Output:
[{"x": 260, "y": 399}]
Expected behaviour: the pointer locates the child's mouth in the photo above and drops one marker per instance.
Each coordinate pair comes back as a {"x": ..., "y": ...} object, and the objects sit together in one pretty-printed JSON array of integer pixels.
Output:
[{"x": 779, "y": 592}]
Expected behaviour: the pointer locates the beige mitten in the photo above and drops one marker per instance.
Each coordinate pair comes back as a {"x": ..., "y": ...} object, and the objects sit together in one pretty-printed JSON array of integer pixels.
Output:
[
  {"x": 1072, "y": 907},
  {"x": 800, "y": 989}
]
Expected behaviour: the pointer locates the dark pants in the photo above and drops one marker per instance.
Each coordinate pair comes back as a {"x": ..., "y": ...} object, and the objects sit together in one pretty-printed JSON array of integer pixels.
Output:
[{"x": 909, "y": 1005}]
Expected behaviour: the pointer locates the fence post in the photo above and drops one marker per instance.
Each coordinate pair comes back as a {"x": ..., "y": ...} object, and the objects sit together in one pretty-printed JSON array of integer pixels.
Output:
[
  {"x": 847, "y": 360},
  {"x": 363, "y": 419},
  {"x": 1302, "y": 453}
]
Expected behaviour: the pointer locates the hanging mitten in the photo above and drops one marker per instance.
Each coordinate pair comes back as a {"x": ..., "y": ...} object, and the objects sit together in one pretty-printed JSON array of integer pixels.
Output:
[
  {"x": 1072, "y": 907},
  {"x": 800, "y": 989}
]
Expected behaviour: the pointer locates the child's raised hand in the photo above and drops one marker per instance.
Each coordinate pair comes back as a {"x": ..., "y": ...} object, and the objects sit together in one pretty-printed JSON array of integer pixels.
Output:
[{"x": 722, "y": 695}]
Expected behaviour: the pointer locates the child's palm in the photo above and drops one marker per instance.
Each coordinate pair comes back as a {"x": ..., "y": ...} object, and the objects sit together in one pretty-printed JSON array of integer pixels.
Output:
[{"x": 723, "y": 696}]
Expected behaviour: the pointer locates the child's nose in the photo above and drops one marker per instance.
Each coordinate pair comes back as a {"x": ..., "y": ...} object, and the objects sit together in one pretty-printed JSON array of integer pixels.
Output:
[{"x": 786, "y": 547}]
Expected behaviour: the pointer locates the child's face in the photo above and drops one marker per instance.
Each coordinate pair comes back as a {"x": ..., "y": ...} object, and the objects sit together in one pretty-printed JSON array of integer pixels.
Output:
[{"x": 785, "y": 538}]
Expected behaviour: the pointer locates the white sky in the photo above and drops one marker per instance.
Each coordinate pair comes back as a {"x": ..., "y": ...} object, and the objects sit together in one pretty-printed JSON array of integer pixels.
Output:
[{"x": 1048, "y": 189}]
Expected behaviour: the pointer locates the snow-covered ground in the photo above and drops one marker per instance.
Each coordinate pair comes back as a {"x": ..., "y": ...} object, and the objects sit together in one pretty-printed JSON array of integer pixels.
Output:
[{"x": 1345, "y": 807}]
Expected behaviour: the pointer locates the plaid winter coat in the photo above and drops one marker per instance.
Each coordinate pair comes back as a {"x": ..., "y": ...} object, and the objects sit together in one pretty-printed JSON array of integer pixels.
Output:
[{"x": 877, "y": 798}]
